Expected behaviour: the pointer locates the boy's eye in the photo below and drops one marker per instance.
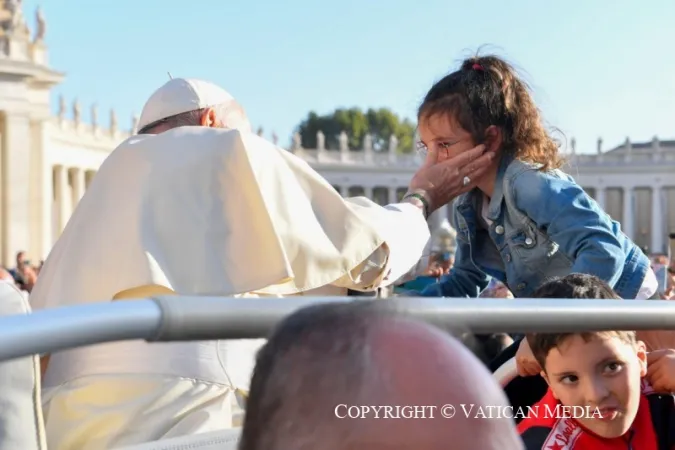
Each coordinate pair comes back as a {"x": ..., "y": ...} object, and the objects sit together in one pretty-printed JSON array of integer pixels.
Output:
[
  {"x": 569, "y": 379},
  {"x": 613, "y": 367}
]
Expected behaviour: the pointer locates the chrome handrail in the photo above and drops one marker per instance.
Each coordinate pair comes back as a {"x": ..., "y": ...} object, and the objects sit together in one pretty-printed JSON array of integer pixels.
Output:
[{"x": 183, "y": 318}]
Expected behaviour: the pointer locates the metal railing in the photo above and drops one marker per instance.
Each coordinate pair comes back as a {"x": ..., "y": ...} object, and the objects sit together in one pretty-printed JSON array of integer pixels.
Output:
[{"x": 176, "y": 318}]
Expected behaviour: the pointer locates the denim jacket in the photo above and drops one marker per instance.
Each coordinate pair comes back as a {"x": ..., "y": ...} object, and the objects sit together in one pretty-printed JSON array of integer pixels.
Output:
[{"x": 543, "y": 226}]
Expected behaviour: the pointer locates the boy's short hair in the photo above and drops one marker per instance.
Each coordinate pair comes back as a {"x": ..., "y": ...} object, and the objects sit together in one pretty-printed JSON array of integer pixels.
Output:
[
  {"x": 576, "y": 285},
  {"x": 542, "y": 343},
  {"x": 573, "y": 286}
]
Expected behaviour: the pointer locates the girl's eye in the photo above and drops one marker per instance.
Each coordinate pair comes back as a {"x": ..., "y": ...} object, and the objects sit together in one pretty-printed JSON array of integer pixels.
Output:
[{"x": 446, "y": 145}]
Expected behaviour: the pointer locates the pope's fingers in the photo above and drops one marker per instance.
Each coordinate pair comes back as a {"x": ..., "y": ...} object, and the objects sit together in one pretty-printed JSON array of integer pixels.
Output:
[
  {"x": 461, "y": 165},
  {"x": 468, "y": 156},
  {"x": 431, "y": 158},
  {"x": 458, "y": 162},
  {"x": 473, "y": 171},
  {"x": 484, "y": 160},
  {"x": 478, "y": 167}
]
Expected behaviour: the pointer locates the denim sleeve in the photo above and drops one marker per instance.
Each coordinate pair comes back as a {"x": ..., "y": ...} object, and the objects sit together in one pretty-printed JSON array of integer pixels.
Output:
[
  {"x": 464, "y": 279},
  {"x": 573, "y": 220}
]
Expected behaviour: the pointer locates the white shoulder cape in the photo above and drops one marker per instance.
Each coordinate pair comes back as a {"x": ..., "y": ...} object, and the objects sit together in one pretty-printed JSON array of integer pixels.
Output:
[{"x": 205, "y": 211}]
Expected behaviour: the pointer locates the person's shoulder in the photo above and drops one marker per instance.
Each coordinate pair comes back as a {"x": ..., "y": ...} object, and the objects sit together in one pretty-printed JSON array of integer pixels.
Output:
[
  {"x": 523, "y": 172},
  {"x": 528, "y": 183}
]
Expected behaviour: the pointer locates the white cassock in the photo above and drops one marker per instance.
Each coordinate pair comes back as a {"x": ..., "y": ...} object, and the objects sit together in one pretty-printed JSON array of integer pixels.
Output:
[{"x": 199, "y": 211}]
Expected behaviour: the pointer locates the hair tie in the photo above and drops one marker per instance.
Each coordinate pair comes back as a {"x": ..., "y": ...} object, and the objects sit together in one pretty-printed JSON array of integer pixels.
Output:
[{"x": 477, "y": 66}]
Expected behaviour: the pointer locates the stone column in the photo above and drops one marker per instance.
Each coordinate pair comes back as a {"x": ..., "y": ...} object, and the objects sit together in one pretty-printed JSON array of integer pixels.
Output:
[
  {"x": 600, "y": 193},
  {"x": 657, "y": 220},
  {"x": 392, "y": 195},
  {"x": 368, "y": 148},
  {"x": 77, "y": 176},
  {"x": 628, "y": 212},
  {"x": 47, "y": 209},
  {"x": 43, "y": 192},
  {"x": 88, "y": 177},
  {"x": 16, "y": 209},
  {"x": 368, "y": 192},
  {"x": 62, "y": 203}
]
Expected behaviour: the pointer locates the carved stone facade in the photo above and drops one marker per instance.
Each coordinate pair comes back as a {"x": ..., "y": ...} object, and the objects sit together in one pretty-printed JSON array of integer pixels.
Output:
[
  {"x": 46, "y": 162},
  {"x": 634, "y": 182}
]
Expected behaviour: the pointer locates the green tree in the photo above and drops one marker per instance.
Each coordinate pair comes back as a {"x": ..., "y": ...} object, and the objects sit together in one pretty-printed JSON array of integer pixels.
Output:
[{"x": 380, "y": 123}]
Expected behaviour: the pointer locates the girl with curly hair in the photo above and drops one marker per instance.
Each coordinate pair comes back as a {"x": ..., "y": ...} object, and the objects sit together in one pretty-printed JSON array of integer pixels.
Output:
[{"x": 525, "y": 221}]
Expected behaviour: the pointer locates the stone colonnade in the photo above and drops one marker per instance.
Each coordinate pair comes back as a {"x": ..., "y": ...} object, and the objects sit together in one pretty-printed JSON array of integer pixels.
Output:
[
  {"x": 68, "y": 186},
  {"x": 646, "y": 213}
]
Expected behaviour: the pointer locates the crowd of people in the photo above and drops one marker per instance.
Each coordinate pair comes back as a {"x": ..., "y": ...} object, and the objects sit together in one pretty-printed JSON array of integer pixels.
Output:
[
  {"x": 23, "y": 275},
  {"x": 440, "y": 263},
  {"x": 196, "y": 204}
]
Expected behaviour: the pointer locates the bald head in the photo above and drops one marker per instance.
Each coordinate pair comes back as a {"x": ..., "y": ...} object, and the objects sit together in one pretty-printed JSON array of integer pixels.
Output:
[
  {"x": 324, "y": 361},
  {"x": 426, "y": 366}
]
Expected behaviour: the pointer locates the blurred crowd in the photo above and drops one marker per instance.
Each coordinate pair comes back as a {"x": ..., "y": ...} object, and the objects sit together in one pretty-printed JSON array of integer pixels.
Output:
[{"x": 24, "y": 273}]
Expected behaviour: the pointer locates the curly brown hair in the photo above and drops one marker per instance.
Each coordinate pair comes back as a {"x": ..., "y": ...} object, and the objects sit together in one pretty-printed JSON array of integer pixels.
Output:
[{"x": 486, "y": 91}]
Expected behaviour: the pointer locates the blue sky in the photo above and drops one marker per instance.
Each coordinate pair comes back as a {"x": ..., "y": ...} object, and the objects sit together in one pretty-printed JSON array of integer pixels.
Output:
[{"x": 597, "y": 68}]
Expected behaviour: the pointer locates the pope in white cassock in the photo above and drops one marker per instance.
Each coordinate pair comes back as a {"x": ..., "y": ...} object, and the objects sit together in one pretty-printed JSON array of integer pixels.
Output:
[{"x": 196, "y": 204}]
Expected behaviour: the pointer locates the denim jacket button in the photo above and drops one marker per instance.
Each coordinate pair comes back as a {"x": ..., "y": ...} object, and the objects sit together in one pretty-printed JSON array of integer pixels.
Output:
[
  {"x": 499, "y": 229},
  {"x": 508, "y": 258},
  {"x": 520, "y": 286},
  {"x": 528, "y": 241}
]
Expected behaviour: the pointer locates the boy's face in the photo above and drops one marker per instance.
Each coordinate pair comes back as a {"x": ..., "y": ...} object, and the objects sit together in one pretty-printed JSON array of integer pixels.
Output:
[{"x": 603, "y": 373}]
